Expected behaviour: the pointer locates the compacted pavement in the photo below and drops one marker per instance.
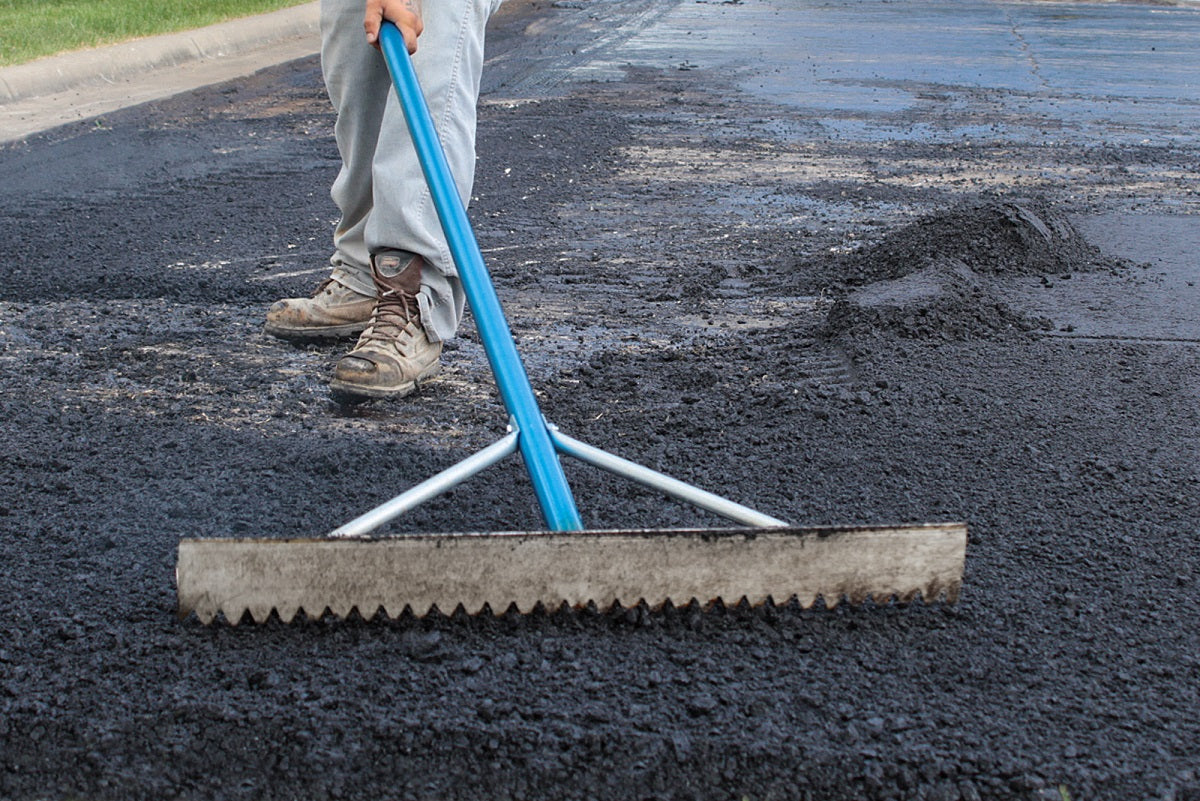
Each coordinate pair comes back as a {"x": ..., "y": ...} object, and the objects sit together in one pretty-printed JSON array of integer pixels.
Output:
[{"x": 845, "y": 262}]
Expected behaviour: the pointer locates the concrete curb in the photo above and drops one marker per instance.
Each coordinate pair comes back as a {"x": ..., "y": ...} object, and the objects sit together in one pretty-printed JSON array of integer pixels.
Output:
[{"x": 107, "y": 65}]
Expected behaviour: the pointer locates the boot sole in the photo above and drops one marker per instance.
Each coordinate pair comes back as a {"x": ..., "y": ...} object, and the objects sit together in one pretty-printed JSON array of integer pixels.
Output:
[
  {"x": 346, "y": 393},
  {"x": 309, "y": 334}
]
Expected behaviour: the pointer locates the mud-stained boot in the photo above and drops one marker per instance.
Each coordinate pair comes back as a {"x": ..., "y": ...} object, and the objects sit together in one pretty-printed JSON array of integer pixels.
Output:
[
  {"x": 334, "y": 311},
  {"x": 394, "y": 353}
]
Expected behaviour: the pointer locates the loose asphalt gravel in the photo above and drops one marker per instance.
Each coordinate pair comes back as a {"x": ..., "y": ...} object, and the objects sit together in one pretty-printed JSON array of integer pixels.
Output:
[{"x": 817, "y": 323}]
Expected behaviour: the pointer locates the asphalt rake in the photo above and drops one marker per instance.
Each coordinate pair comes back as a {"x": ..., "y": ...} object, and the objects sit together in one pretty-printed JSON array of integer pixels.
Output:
[{"x": 759, "y": 559}]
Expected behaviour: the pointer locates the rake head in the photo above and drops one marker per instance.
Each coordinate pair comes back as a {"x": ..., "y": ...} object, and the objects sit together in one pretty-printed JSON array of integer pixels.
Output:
[{"x": 498, "y": 571}]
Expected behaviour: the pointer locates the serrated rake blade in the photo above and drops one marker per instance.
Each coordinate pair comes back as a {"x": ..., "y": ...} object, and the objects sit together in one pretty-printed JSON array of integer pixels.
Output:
[{"x": 231, "y": 576}]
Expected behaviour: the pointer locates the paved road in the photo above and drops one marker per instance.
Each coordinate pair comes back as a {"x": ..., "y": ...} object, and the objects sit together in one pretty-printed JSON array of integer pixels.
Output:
[
  {"x": 684, "y": 205},
  {"x": 1067, "y": 66},
  {"x": 1020, "y": 83}
]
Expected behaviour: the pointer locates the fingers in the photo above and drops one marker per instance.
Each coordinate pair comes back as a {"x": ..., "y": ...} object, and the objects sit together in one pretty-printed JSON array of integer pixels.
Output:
[
  {"x": 406, "y": 14},
  {"x": 372, "y": 19}
]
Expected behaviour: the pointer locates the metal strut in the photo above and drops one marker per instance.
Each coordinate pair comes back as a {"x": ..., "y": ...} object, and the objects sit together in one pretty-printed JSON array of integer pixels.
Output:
[{"x": 539, "y": 442}]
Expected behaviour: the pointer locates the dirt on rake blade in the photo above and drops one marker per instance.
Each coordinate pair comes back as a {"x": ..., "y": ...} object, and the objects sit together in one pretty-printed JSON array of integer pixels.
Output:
[{"x": 230, "y": 577}]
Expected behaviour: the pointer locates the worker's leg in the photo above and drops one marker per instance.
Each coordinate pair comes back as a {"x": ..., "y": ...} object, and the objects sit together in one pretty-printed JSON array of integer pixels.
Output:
[
  {"x": 448, "y": 62},
  {"x": 358, "y": 84}
]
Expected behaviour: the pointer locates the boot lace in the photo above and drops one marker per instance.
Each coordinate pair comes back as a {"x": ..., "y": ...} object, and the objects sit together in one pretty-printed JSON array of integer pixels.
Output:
[{"x": 395, "y": 310}]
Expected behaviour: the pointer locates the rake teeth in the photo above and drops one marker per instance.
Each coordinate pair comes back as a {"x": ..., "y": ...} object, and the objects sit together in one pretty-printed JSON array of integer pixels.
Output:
[
  {"x": 234, "y": 614},
  {"x": 497, "y": 573}
]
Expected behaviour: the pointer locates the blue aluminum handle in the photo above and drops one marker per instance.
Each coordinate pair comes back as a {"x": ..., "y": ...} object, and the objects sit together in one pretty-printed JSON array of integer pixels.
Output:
[{"x": 537, "y": 449}]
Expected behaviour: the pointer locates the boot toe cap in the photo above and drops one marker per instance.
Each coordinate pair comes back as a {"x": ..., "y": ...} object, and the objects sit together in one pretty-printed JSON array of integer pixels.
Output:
[{"x": 357, "y": 369}]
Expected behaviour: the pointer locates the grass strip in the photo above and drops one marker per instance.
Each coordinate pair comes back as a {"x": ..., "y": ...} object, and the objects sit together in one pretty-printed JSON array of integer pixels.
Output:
[{"x": 31, "y": 29}]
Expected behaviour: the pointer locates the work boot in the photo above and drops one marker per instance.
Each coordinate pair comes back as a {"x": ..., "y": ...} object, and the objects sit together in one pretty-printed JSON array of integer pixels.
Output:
[
  {"x": 394, "y": 352},
  {"x": 334, "y": 311}
]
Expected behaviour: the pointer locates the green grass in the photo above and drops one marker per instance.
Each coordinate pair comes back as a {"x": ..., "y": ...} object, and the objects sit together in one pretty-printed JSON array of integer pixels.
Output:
[{"x": 30, "y": 29}]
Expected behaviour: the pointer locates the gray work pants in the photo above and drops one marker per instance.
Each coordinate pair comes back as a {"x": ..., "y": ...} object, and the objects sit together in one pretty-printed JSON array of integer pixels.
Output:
[{"x": 380, "y": 190}]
